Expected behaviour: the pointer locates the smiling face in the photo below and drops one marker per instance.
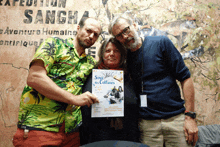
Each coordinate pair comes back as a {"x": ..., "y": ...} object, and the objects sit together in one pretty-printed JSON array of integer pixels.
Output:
[
  {"x": 89, "y": 33},
  {"x": 112, "y": 56},
  {"x": 126, "y": 34}
]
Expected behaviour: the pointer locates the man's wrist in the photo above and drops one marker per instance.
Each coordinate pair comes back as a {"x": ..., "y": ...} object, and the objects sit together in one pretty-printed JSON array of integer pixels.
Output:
[{"x": 190, "y": 114}]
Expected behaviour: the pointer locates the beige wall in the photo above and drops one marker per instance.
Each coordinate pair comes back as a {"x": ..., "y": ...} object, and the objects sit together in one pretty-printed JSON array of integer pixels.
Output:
[{"x": 17, "y": 48}]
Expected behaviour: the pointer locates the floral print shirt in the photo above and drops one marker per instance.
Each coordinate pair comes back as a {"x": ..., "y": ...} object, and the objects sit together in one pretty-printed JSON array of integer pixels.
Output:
[{"x": 68, "y": 71}]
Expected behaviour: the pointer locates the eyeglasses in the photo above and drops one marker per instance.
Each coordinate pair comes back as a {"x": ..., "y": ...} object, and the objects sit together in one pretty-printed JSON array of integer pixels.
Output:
[{"x": 126, "y": 31}]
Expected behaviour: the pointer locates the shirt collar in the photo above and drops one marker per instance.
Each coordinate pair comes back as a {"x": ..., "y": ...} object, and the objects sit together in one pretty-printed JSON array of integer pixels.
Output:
[{"x": 69, "y": 43}]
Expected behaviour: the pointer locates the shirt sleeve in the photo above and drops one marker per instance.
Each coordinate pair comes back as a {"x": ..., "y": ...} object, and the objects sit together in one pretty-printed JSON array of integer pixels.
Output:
[
  {"x": 46, "y": 52},
  {"x": 174, "y": 60}
]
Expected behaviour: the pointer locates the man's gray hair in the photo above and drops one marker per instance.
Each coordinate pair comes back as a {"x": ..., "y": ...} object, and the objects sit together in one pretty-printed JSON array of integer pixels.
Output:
[{"x": 117, "y": 19}]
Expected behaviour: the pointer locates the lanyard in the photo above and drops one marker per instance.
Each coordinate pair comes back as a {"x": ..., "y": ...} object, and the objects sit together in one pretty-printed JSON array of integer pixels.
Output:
[{"x": 142, "y": 66}]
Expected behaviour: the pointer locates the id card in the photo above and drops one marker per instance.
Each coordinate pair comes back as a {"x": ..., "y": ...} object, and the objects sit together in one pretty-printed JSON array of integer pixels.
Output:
[{"x": 143, "y": 100}]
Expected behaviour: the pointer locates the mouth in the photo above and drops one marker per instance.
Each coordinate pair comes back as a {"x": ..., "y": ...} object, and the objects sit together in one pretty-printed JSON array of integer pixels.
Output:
[
  {"x": 112, "y": 59},
  {"x": 129, "y": 40},
  {"x": 88, "y": 41}
]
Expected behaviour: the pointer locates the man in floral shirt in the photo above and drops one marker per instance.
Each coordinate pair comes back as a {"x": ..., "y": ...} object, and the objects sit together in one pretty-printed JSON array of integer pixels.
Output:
[{"x": 49, "y": 112}]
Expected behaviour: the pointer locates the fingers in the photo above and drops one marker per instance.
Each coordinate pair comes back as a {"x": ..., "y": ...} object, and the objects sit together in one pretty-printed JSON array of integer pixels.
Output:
[
  {"x": 90, "y": 99},
  {"x": 89, "y": 102},
  {"x": 186, "y": 135},
  {"x": 191, "y": 131},
  {"x": 191, "y": 137},
  {"x": 93, "y": 98},
  {"x": 195, "y": 138}
]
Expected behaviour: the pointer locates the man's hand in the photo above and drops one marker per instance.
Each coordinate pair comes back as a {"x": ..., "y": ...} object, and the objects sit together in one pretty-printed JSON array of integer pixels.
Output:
[
  {"x": 86, "y": 98},
  {"x": 191, "y": 130}
]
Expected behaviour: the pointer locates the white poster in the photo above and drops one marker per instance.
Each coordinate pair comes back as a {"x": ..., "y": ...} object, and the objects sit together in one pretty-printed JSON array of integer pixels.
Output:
[{"x": 108, "y": 86}]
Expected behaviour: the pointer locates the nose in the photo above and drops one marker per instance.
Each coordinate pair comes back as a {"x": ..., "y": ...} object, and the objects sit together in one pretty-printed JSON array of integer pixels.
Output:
[
  {"x": 124, "y": 36},
  {"x": 91, "y": 35},
  {"x": 111, "y": 52}
]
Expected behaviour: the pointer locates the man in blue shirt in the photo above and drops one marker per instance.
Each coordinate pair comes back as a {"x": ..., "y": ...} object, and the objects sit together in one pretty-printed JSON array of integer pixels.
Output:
[{"x": 155, "y": 64}]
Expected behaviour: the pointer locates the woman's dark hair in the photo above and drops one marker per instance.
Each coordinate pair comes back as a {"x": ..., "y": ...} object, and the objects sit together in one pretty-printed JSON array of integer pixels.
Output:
[{"x": 119, "y": 46}]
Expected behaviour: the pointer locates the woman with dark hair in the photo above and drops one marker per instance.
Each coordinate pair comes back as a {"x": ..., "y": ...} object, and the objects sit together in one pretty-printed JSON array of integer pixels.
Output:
[
  {"x": 112, "y": 56},
  {"x": 103, "y": 60}
]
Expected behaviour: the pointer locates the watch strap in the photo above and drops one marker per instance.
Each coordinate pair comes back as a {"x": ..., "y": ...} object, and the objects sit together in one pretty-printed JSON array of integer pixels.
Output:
[{"x": 190, "y": 114}]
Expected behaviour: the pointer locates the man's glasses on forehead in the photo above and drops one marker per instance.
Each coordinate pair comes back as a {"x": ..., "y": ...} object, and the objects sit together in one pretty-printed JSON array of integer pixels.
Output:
[{"x": 126, "y": 31}]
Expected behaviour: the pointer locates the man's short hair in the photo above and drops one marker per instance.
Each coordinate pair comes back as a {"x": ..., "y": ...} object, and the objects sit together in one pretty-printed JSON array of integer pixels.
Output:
[
  {"x": 83, "y": 20},
  {"x": 128, "y": 19}
]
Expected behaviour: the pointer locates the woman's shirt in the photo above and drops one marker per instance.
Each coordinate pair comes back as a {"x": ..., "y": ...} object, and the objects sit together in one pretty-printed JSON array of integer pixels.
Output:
[{"x": 97, "y": 129}]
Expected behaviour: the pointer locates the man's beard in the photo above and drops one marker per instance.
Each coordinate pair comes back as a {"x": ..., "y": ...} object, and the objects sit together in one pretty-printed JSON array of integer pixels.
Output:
[
  {"x": 132, "y": 45},
  {"x": 82, "y": 44}
]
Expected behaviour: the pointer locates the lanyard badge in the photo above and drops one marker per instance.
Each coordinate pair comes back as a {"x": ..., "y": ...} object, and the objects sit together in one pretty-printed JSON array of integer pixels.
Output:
[
  {"x": 143, "y": 100},
  {"x": 143, "y": 97}
]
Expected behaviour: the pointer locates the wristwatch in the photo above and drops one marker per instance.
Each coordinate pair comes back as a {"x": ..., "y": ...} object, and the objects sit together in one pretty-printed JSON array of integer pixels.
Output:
[{"x": 190, "y": 114}]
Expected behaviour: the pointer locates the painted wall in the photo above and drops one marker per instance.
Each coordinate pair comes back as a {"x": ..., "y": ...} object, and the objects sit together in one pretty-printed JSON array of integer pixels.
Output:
[{"x": 24, "y": 24}]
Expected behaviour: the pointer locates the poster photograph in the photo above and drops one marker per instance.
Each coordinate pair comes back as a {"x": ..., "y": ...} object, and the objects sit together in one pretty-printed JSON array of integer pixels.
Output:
[{"x": 108, "y": 86}]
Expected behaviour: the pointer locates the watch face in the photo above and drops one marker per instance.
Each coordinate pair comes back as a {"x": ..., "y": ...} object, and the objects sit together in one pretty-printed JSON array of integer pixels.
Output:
[
  {"x": 194, "y": 115},
  {"x": 191, "y": 114}
]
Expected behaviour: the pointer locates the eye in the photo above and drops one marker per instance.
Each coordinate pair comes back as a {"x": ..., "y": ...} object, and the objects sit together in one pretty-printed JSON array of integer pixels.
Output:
[
  {"x": 117, "y": 50},
  {"x": 89, "y": 31},
  {"x": 96, "y": 35},
  {"x": 107, "y": 51}
]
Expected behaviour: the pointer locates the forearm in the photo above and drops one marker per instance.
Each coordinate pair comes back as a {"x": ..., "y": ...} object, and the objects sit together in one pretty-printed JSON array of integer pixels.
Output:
[
  {"x": 188, "y": 94},
  {"x": 45, "y": 86}
]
